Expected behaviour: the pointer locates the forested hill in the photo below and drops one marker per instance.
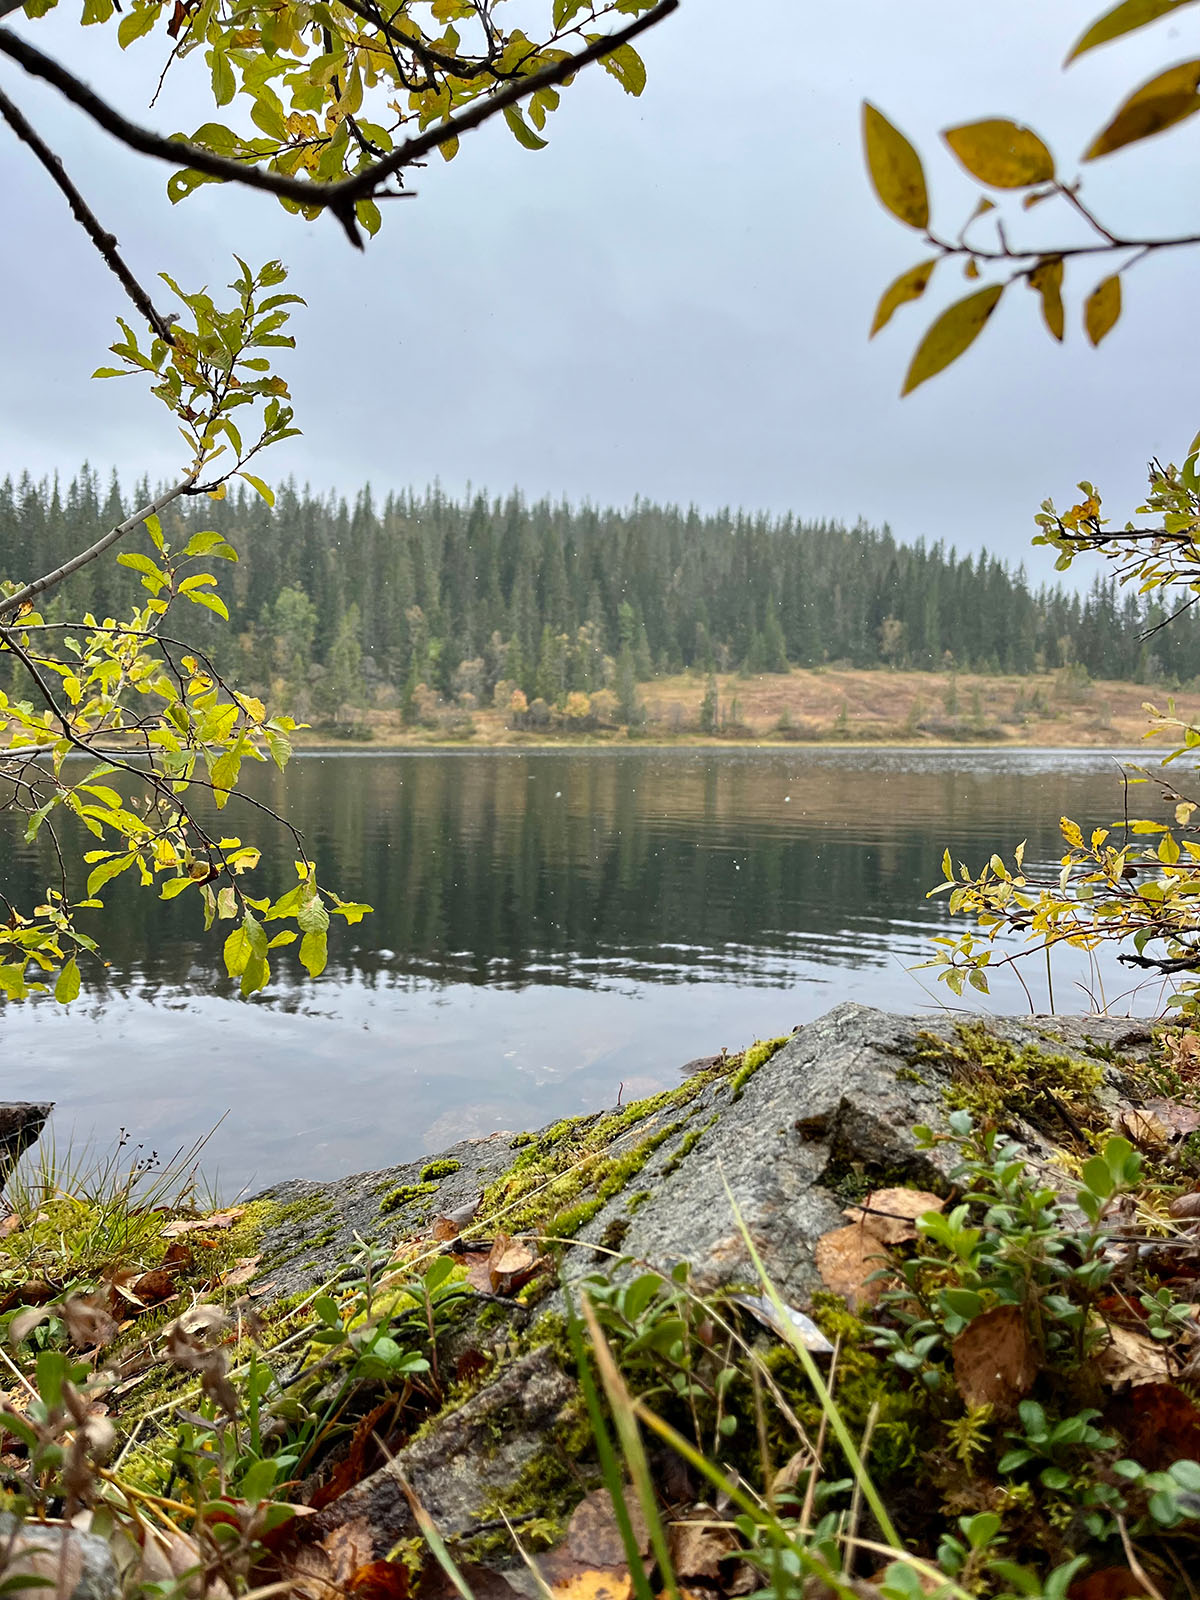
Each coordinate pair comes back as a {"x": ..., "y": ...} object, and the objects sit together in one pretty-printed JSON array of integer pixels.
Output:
[{"x": 552, "y": 598}]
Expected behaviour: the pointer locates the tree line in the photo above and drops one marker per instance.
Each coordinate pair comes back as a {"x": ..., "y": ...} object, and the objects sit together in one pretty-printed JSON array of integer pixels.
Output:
[{"x": 346, "y": 602}]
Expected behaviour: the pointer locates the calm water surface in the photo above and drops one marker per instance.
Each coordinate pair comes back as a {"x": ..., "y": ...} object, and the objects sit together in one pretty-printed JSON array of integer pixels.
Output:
[{"x": 548, "y": 926}]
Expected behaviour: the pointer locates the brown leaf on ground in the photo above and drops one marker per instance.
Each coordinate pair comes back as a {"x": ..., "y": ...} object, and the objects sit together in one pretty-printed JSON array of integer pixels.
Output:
[
  {"x": 451, "y": 1223},
  {"x": 507, "y": 1267},
  {"x": 593, "y": 1537},
  {"x": 179, "y": 1257},
  {"x": 153, "y": 1287},
  {"x": 788, "y": 1475},
  {"x": 1146, "y": 1130},
  {"x": 891, "y": 1214},
  {"x": 1132, "y": 1357},
  {"x": 89, "y": 1323},
  {"x": 380, "y": 1580},
  {"x": 353, "y": 1468},
  {"x": 8, "y": 1225},
  {"x": 1181, "y": 1052},
  {"x": 1109, "y": 1583},
  {"x": 216, "y": 1223},
  {"x": 994, "y": 1360},
  {"x": 594, "y": 1585},
  {"x": 698, "y": 1548},
  {"x": 1159, "y": 1423},
  {"x": 846, "y": 1258},
  {"x": 1186, "y": 1206},
  {"x": 348, "y": 1547},
  {"x": 1179, "y": 1117},
  {"x": 241, "y": 1272}
]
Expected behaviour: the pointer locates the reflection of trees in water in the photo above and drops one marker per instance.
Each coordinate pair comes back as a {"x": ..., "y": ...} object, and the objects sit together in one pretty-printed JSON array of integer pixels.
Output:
[{"x": 593, "y": 869}]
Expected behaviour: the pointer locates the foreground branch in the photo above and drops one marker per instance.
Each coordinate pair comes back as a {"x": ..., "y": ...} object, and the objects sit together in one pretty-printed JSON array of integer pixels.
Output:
[
  {"x": 13, "y": 602},
  {"x": 104, "y": 241},
  {"x": 340, "y": 197}
]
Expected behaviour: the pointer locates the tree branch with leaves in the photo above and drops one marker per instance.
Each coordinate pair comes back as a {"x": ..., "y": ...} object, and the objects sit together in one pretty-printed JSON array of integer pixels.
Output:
[{"x": 121, "y": 726}]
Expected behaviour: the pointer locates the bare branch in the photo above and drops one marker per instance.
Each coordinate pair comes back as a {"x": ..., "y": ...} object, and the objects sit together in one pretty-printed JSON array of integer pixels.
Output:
[
  {"x": 14, "y": 602},
  {"x": 340, "y": 197},
  {"x": 105, "y": 242}
]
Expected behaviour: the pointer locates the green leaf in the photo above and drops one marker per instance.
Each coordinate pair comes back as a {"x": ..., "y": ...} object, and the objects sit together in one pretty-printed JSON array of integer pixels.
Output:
[
  {"x": 313, "y": 953},
  {"x": 954, "y": 331},
  {"x": 223, "y": 82},
  {"x": 627, "y": 67},
  {"x": 212, "y": 601},
  {"x": 1160, "y": 103},
  {"x": 67, "y": 987},
  {"x": 237, "y": 952},
  {"x": 895, "y": 169},
  {"x": 1102, "y": 308},
  {"x": 136, "y": 23},
  {"x": 257, "y": 483},
  {"x": 1124, "y": 18},
  {"x": 524, "y": 134},
  {"x": 908, "y": 286},
  {"x": 107, "y": 869},
  {"x": 1000, "y": 153}
]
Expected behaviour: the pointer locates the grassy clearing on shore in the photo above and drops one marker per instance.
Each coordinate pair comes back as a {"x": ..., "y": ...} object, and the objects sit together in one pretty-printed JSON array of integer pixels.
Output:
[{"x": 828, "y": 705}]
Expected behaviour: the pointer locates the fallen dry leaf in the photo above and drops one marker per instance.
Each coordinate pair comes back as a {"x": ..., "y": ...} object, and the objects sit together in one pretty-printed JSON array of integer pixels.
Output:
[
  {"x": 89, "y": 1322},
  {"x": 698, "y": 1548},
  {"x": 507, "y": 1267},
  {"x": 178, "y": 1256},
  {"x": 380, "y": 1580},
  {"x": 1178, "y": 1116},
  {"x": 891, "y": 1214},
  {"x": 216, "y": 1223},
  {"x": 594, "y": 1585},
  {"x": 1159, "y": 1423},
  {"x": 451, "y": 1223},
  {"x": 1109, "y": 1583},
  {"x": 1181, "y": 1052},
  {"x": 1186, "y": 1205},
  {"x": 1132, "y": 1357},
  {"x": 593, "y": 1537},
  {"x": 846, "y": 1259},
  {"x": 9, "y": 1224},
  {"x": 1144, "y": 1129},
  {"x": 994, "y": 1359},
  {"x": 152, "y": 1288},
  {"x": 352, "y": 1469},
  {"x": 241, "y": 1272}
]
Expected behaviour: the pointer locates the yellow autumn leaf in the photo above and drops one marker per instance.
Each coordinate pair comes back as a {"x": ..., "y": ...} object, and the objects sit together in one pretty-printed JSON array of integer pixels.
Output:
[
  {"x": 895, "y": 169},
  {"x": 1123, "y": 18},
  {"x": 1071, "y": 832},
  {"x": 1046, "y": 278},
  {"x": 1102, "y": 308},
  {"x": 1160, "y": 103},
  {"x": 909, "y": 285},
  {"x": 1001, "y": 153},
  {"x": 953, "y": 332}
]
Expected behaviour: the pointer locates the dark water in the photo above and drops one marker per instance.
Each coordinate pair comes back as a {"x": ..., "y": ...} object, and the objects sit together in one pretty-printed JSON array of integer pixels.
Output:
[{"x": 548, "y": 926}]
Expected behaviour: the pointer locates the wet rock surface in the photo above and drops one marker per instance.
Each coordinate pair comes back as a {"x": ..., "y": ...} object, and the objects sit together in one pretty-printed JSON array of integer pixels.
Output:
[{"x": 829, "y": 1114}]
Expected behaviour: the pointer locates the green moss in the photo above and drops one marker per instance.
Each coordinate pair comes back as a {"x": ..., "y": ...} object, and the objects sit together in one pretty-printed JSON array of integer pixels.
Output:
[
  {"x": 442, "y": 1168},
  {"x": 911, "y": 1075},
  {"x": 687, "y": 1144},
  {"x": 404, "y": 1195},
  {"x": 1000, "y": 1083},
  {"x": 753, "y": 1058},
  {"x": 638, "y": 1200},
  {"x": 541, "y": 1497}
]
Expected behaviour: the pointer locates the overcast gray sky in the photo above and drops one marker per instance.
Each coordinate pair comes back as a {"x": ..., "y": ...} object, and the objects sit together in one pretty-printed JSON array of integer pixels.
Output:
[{"x": 671, "y": 300}]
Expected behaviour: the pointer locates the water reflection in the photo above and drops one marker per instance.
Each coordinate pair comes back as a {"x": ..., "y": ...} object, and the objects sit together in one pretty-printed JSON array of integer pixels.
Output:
[{"x": 547, "y": 925}]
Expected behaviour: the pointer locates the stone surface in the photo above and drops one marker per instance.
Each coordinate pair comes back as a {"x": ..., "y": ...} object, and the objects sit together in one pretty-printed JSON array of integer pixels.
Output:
[
  {"x": 836, "y": 1103},
  {"x": 21, "y": 1123},
  {"x": 76, "y": 1565}
]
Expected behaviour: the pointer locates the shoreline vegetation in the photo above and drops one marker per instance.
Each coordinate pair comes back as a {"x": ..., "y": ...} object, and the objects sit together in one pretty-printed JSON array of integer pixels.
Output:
[
  {"x": 894, "y": 1347},
  {"x": 826, "y": 706}
]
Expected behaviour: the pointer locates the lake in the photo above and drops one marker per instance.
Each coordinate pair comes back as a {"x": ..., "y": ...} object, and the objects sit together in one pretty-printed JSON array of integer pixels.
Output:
[{"x": 549, "y": 926}]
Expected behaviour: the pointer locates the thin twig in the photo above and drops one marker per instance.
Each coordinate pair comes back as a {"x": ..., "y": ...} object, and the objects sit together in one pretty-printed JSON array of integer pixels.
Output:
[{"x": 14, "y": 602}]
